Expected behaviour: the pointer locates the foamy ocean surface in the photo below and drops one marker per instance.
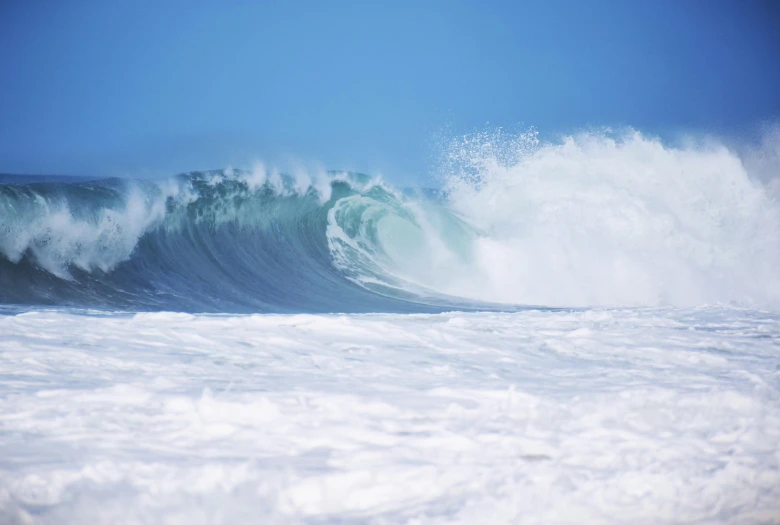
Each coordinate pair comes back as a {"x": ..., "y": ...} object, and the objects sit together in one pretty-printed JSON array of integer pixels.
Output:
[{"x": 579, "y": 332}]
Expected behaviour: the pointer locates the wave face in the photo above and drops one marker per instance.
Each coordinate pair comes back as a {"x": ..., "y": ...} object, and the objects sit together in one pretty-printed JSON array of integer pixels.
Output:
[{"x": 593, "y": 220}]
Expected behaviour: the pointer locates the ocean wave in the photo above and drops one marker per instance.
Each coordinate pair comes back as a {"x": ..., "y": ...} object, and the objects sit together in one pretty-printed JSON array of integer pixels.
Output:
[{"x": 594, "y": 219}]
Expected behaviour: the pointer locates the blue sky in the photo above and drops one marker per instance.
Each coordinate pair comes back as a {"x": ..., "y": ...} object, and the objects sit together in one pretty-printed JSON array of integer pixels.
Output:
[{"x": 139, "y": 88}]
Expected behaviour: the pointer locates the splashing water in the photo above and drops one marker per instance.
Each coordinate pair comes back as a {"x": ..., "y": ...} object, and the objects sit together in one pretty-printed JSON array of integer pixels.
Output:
[{"x": 594, "y": 219}]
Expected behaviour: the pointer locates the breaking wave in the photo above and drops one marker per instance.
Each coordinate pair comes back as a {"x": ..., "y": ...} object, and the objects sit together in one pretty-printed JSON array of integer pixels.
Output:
[{"x": 591, "y": 220}]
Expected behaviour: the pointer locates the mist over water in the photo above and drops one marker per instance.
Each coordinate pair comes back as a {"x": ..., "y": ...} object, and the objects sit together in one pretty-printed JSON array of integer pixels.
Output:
[{"x": 593, "y": 219}]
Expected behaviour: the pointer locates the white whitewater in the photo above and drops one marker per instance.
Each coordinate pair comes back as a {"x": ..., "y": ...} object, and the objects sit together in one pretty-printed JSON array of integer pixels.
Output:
[
  {"x": 641, "y": 416},
  {"x": 604, "y": 220}
]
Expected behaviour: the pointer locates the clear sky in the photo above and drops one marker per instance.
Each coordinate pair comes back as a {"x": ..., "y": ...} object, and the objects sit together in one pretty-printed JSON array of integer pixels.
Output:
[{"x": 141, "y": 87}]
